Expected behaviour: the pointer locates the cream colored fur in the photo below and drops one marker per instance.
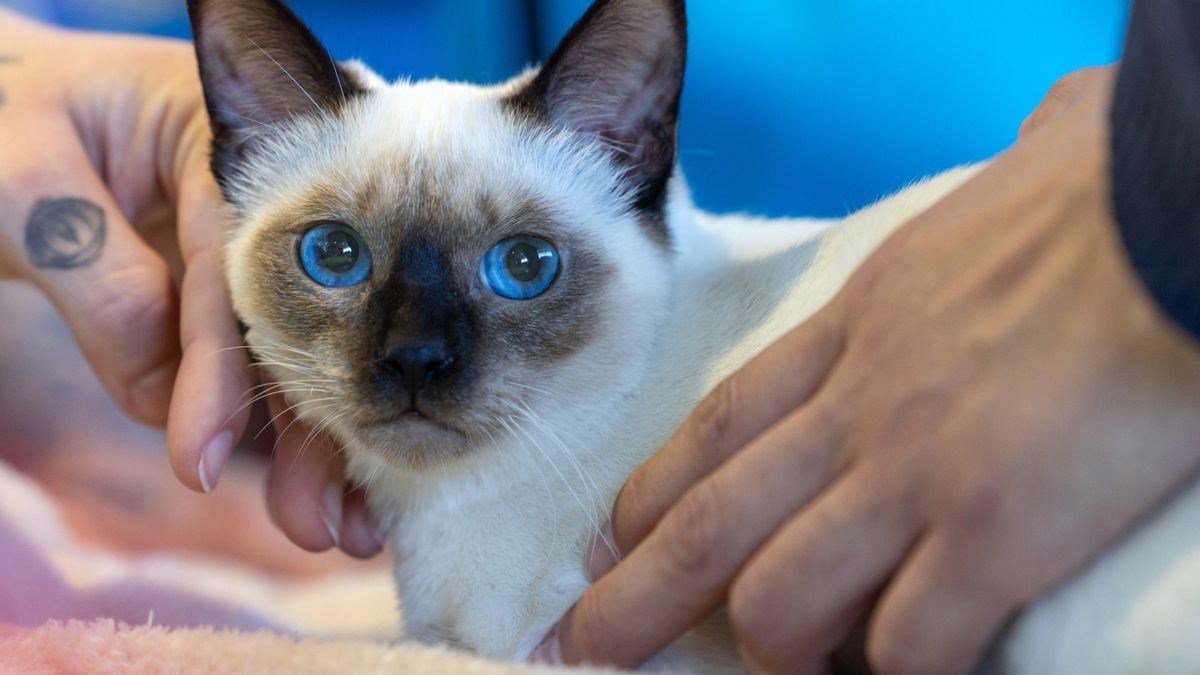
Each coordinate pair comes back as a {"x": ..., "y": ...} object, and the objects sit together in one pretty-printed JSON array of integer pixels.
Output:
[{"x": 491, "y": 547}]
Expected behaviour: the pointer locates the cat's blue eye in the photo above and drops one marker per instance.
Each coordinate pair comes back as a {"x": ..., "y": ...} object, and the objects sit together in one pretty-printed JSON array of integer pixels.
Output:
[
  {"x": 335, "y": 255},
  {"x": 520, "y": 268}
]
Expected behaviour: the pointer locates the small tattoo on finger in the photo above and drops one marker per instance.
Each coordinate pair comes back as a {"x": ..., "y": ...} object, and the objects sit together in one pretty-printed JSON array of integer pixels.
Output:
[{"x": 65, "y": 233}]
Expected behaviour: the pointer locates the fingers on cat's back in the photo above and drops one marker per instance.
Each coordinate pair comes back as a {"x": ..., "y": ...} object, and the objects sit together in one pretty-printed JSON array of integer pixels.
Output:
[{"x": 741, "y": 408}]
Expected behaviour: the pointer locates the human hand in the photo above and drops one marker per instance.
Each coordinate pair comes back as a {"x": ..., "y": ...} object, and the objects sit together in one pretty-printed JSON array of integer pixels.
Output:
[
  {"x": 109, "y": 208},
  {"x": 991, "y": 400},
  {"x": 1066, "y": 92},
  {"x": 103, "y": 134}
]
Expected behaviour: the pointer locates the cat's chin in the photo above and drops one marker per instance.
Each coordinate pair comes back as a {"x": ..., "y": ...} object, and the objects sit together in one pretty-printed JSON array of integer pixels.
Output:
[{"x": 414, "y": 441}]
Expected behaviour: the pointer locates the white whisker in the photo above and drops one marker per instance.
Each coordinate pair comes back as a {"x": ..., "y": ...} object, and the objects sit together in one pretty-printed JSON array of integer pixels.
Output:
[
  {"x": 282, "y": 432},
  {"x": 285, "y": 72},
  {"x": 530, "y": 387},
  {"x": 325, "y": 423},
  {"x": 270, "y": 389},
  {"x": 554, "y": 466},
  {"x": 542, "y": 475},
  {"x": 291, "y": 408},
  {"x": 338, "y": 75},
  {"x": 589, "y": 486},
  {"x": 223, "y": 111},
  {"x": 366, "y": 480}
]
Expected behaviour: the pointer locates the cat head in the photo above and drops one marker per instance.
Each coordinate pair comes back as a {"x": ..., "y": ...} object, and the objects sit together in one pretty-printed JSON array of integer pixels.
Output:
[{"x": 431, "y": 269}]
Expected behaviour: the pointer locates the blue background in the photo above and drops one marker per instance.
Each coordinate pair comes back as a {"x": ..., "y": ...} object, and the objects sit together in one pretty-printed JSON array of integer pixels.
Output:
[{"x": 800, "y": 107}]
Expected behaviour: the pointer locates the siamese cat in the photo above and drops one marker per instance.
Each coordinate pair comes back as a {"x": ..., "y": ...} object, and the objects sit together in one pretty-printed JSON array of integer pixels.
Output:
[{"x": 501, "y": 300}]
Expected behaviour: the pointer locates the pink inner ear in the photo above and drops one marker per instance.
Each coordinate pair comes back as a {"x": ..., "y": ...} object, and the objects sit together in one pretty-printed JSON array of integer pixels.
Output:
[
  {"x": 623, "y": 121},
  {"x": 235, "y": 99},
  {"x": 621, "y": 73},
  {"x": 261, "y": 65},
  {"x": 250, "y": 86},
  {"x": 617, "y": 76}
]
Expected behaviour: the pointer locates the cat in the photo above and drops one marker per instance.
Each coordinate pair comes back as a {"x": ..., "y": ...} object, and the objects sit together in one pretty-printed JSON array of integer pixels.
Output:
[{"x": 501, "y": 300}]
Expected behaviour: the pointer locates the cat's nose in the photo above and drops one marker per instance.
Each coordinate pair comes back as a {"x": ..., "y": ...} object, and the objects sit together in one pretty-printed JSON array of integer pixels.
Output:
[{"x": 417, "y": 365}]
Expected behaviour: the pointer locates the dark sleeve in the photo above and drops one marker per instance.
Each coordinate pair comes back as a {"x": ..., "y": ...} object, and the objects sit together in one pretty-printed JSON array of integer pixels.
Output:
[{"x": 1156, "y": 153}]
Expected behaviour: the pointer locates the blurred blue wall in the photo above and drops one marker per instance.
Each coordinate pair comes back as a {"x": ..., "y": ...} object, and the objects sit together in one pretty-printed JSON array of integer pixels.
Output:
[{"x": 803, "y": 107}]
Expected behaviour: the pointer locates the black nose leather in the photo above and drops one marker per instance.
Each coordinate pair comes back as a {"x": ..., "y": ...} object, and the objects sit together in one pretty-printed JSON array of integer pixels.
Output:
[{"x": 417, "y": 365}]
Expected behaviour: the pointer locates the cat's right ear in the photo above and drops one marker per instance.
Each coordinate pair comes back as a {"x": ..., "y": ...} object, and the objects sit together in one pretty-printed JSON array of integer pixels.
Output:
[
  {"x": 617, "y": 77},
  {"x": 260, "y": 65}
]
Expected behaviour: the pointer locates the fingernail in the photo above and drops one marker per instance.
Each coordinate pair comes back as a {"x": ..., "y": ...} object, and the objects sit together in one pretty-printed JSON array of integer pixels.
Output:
[
  {"x": 602, "y": 554},
  {"x": 212, "y": 460},
  {"x": 548, "y": 652},
  {"x": 331, "y": 511}
]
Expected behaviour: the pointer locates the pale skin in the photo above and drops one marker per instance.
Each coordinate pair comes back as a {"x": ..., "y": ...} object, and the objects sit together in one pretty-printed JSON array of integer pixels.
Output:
[
  {"x": 110, "y": 210},
  {"x": 992, "y": 400}
]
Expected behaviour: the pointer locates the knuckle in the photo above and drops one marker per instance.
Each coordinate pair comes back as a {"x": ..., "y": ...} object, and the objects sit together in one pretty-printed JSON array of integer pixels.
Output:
[
  {"x": 138, "y": 303},
  {"x": 135, "y": 299},
  {"x": 713, "y": 423},
  {"x": 629, "y": 519},
  {"x": 693, "y": 532},
  {"x": 889, "y": 656},
  {"x": 1033, "y": 121},
  {"x": 1074, "y": 81},
  {"x": 1059, "y": 96},
  {"x": 910, "y": 648},
  {"x": 1067, "y": 87},
  {"x": 1002, "y": 587},
  {"x": 590, "y": 631},
  {"x": 979, "y": 506},
  {"x": 898, "y": 646},
  {"x": 830, "y": 408},
  {"x": 1063, "y": 88},
  {"x": 756, "y": 620}
]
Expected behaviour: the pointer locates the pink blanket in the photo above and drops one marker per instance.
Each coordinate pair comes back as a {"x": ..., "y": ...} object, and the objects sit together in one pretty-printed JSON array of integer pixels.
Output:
[{"x": 33, "y": 593}]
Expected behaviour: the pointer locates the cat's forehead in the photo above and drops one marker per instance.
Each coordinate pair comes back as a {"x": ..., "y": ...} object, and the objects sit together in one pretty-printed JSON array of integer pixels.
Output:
[
  {"x": 431, "y": 153},
  {"x": 395, "y": 207}
]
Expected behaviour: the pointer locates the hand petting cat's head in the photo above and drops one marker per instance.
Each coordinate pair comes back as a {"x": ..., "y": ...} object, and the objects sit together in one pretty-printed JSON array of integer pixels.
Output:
[{"x": 434, "y": 269}]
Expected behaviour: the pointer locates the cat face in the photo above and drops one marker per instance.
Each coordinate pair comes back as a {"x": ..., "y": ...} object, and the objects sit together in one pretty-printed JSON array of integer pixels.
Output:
[{"x": 432, "y": 270}]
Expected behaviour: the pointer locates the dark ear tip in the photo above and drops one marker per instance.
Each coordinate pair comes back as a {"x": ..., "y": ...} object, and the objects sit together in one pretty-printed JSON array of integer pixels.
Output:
[{"x": 679, "y": 7}]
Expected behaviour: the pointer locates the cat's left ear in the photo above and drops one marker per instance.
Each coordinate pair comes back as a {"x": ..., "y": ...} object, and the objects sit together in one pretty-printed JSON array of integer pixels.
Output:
[
  {"x": 260, "y": 65},
  {"x": 618, "y": 76}
]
